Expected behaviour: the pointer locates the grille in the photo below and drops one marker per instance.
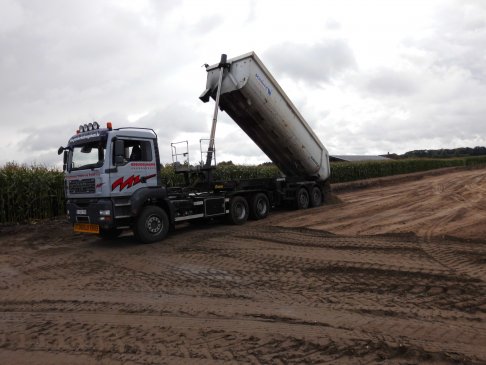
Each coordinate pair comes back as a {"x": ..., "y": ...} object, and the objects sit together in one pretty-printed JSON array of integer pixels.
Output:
[{"x": 84, "y": 186}]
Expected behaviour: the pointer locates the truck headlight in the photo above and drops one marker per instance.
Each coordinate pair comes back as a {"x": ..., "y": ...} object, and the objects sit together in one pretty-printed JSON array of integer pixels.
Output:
[{"x": 105, "y": 212}]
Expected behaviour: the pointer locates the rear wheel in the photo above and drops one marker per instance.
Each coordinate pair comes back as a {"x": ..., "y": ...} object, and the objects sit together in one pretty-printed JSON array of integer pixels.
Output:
[
  {"x": 152, "y": 225},
  {"x": 238, "y": 210},
  {"x": 302, "y": 198},
  {"x": 260, "y": 206},
  {"x": 316, "y": 197}
]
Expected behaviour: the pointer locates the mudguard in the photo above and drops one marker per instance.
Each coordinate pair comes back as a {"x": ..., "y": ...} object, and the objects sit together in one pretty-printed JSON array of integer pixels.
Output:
[{"x": 152, "y": 195}]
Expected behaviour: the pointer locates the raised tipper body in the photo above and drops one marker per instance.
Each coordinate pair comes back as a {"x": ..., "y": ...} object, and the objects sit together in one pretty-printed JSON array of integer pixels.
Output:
[{"x": 256, "y": 102}]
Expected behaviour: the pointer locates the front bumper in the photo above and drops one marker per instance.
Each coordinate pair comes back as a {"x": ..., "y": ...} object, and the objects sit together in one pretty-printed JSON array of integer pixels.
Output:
[{"x": 88, "y": 211}]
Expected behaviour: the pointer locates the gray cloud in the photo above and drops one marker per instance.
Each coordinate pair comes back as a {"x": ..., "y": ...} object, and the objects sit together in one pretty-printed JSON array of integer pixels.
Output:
[
  {"x": 252, "y": 11},
  {"x": 64, "y": 62},
  {"x": 332, "y": 24},
  {"x": 238, "y": 144},
  {"x": 11, "y": 16},
  {"x": 390, "y": 82},
  {"x": 48, "y": 36},
  {"x": 311, "y": 63},
  {"x": 78, "y": 54},
  {"x": 40, "y": 139},
  {"x": 174, "y": 123},
  {"x": 175, "y": 119},
  {"x": 207, "y": 24},
  {"x": 40, "y": 143},
  {"x": 458, "y": 38},
  {"x": 437, "y": 99}
]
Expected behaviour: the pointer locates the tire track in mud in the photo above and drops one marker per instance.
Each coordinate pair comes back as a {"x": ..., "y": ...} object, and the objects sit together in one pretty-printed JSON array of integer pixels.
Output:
[
  {"x": 239, "y": 268},
  {"x": 345, "y": 272},
  {"x": 462, "y": 257},
  {"x": 255, "y": 294},
  {"x": 431, "y": 289},
  {"x": 245, "y": 272},
  {"x": 265, "y": 339}
]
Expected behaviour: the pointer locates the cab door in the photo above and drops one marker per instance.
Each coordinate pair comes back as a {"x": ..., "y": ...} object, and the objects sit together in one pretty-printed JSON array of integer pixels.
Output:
[{"x": 134, "y": 168}]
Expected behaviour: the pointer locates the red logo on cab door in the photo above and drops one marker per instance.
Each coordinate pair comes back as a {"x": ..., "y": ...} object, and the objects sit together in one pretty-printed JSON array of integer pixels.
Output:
[{"x": 129, "y": 182}]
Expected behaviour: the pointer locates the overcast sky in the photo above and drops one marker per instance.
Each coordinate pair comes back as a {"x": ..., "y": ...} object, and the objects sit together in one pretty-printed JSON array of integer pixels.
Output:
[{"x": 370, "y": 77}]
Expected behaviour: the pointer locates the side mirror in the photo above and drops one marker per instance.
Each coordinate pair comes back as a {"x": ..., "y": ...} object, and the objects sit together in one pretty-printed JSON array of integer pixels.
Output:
[
  {"x": 119, "y": 152},
  {"x": 65, "y": 159},
  {"x": 119, "y": 160},
  {"x": 59, "y": 151}
]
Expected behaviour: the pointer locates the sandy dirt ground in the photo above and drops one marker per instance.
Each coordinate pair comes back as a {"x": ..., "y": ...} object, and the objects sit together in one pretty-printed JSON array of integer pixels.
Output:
[
  {"x": 452, "y": 204},
  {"x": 392, "y": 275}
]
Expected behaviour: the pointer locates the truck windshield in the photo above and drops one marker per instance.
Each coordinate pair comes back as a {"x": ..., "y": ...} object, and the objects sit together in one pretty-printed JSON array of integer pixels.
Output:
[{"x": 88, "y": 156}]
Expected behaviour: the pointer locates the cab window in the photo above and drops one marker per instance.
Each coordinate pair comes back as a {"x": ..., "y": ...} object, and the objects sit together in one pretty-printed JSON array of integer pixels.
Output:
[
  {"x": 88, "y": 155},
  {"x": 136, "y": 150}
]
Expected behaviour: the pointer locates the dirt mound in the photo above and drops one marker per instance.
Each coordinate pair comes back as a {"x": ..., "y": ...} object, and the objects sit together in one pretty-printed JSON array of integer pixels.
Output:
[
  {"x": 390, "y": 180},
  {"x": 451, "y": 204}
]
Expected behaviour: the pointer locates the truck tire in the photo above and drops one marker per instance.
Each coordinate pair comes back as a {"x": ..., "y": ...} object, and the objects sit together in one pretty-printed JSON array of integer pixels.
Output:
[
  {"x": 238, "y": 210},
  {"x": 152, "y": 225},
  {"x": 109, "y": 234},
  {"x": 302, "y": 198},
  {"x": 260, "y": 206},
  {"x": 316, "y": 196}
]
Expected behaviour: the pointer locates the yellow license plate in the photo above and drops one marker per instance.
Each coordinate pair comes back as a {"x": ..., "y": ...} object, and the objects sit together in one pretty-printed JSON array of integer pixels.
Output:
[{"x": 86, "y": 227}]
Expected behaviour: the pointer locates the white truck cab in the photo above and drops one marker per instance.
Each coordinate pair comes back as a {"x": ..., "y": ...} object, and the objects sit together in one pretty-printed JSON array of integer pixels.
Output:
[{"x": 104, "y": 168}]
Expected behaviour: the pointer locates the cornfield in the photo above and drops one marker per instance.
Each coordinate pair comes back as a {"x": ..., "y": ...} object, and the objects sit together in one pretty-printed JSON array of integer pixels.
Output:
[
  {"x": 36, "y": 192},
  {"x": 224, "y": 172},
  {"x": 351, "y": 171},
  {"x": 475, "y": 161},
  {"x": 28, "y": 193}
]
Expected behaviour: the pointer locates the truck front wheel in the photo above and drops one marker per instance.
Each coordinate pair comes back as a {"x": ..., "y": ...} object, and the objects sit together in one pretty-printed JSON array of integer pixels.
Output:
[
  {"x": 260, "y": 206},
  {"x": 302, "y": 198},
  {"x": 238, "y": 210},
  {"x": 152, "y": 225}
]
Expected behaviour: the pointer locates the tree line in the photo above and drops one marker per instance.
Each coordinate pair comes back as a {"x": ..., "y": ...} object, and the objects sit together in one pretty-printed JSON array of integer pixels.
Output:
[{"x": 441, "y": 153}]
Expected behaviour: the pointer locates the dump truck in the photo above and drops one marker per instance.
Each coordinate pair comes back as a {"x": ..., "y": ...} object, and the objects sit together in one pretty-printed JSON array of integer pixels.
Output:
[{"x": 112, "y": 175}]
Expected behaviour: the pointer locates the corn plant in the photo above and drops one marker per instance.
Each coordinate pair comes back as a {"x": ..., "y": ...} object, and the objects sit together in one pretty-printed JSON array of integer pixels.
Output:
[
  {"x": 35, "y": 192},
  {"x": 476, "y": 161},
  {"x": 350, "y": 171},
  {"x": 27, "y": 193}
]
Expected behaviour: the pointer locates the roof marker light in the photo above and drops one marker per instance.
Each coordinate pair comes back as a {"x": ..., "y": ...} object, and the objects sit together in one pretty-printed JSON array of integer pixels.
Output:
[
  {"x": 81, "y": 128},
  {"x": 90, "y": 126},
  {"x": 109, "y": 126},
  {"x": 96, "y": 125},
  {"x": 85, "y": 127}
]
